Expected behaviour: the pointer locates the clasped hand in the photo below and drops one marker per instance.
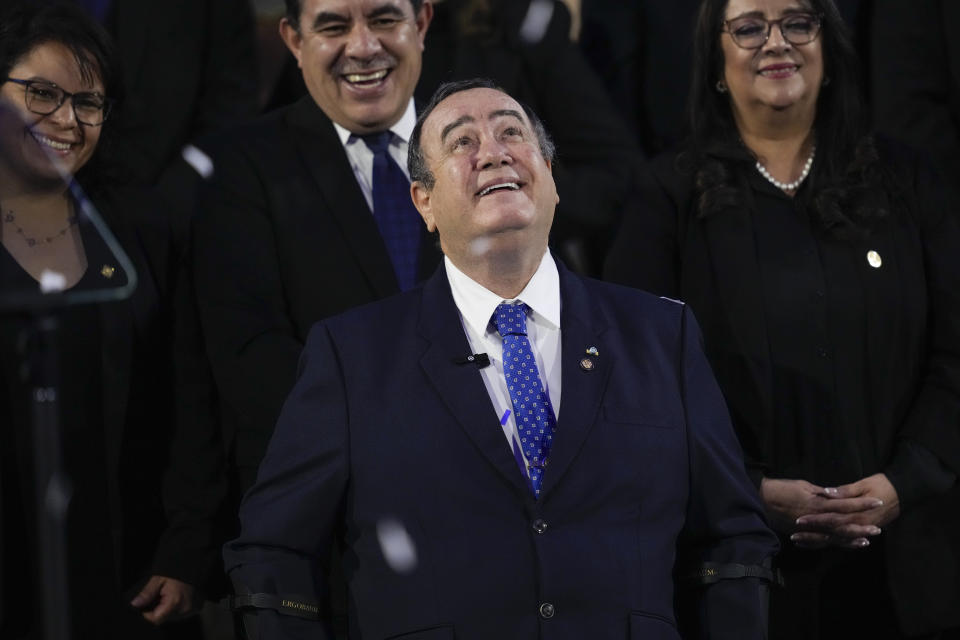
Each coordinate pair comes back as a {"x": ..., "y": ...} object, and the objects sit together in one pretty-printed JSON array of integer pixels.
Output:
[{"x": 845, "y": 516}]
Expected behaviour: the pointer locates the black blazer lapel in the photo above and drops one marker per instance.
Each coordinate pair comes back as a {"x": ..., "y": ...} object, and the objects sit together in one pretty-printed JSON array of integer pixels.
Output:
[
  {"x": 322, "y": 152},
  {"x": 460, "y": 387},
  {"x": 582, "y": 326}
]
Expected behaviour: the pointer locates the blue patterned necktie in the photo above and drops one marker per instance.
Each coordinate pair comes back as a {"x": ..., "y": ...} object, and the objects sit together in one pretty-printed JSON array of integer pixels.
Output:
[
  {"x": 531, "y": 404},
  {"x": 397, "y": 218}
]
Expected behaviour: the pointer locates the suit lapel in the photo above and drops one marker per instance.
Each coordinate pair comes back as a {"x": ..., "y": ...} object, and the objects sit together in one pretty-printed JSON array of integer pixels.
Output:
[
  {"x": 582, "y": 388},
  {"x": 459, "y": 386},
  {"x": 117, "y": 329},
  {"x": 321, "y": 150}
]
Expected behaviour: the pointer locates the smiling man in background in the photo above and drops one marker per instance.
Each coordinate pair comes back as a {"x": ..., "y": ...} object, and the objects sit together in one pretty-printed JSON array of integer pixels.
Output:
[
  {"x": 307, "y": 212},
  {"x": 425, "y": 439}
]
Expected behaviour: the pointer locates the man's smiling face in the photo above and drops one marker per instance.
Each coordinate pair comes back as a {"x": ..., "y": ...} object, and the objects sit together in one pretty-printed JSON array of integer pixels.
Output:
[
  {"x": 360, "y": 58},
  {"x": 492, "y": 191}
]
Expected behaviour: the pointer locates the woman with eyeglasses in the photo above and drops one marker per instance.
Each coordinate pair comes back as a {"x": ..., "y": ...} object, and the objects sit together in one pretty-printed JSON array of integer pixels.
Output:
[
  {"x": 822, "y": 264},
  {"x": 128, "y": 564}
]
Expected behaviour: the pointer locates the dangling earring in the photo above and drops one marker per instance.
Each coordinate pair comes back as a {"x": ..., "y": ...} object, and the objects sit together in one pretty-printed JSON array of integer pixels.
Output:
[{"x": 721, "y": 86}]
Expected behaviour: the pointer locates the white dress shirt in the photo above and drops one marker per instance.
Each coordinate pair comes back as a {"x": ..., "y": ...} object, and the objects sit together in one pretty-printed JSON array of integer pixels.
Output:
[
  {"x": 361, "y": 158},
  {"x": 476, "y": 305}
]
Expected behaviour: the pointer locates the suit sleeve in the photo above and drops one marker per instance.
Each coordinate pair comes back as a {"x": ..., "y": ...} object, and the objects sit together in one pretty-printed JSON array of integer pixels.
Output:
[
  {"x": 252, "y": 343},
  {"x": 195, "y": 483},
  {"x": 725, "y": 522},
  {"x": 289, "y": 518}
]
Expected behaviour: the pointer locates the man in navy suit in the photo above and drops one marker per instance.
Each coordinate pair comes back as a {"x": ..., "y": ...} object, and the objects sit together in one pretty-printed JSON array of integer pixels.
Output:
[{"x": 399, "y": 445}]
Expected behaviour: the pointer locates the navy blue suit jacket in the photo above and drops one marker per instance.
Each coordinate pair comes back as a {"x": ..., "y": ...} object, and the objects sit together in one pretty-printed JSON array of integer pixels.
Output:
[{"x": 384, "y": 426}]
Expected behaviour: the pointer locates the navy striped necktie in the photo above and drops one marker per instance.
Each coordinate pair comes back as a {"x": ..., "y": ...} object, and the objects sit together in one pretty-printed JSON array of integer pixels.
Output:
[{"x": 397, "y": 218}]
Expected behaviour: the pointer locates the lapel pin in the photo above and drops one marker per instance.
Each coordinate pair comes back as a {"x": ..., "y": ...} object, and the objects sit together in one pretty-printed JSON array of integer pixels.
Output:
[
  {"x": 592, "y": 351},
  {"x": 874, "y": 259},
  {"x": 107, "y": 271},
  {"x": 587, "y": 364}
]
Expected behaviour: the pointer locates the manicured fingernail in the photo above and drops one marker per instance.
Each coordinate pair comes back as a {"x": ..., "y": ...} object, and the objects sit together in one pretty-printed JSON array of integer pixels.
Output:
[
  {"x": 800, "y": 520},
  {"x": 878, "y": 502},
  {"x": 863, "y": 543},
  {"x": 830, "y": 491},
  {"x": 795, "y": 537},
  {"x": 875, "y": 531}
]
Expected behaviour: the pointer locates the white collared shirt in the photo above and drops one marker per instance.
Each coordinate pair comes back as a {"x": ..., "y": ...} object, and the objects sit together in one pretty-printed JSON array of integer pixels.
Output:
[
  {"x": 361, "y": 158},
  {"x": 477, "y": 304}
]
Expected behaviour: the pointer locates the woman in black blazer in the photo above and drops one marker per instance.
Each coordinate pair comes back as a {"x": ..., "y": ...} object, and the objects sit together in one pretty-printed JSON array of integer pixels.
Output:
[
  {"x": 821, "y": 263},
  {"x": 138, "y": 540}
]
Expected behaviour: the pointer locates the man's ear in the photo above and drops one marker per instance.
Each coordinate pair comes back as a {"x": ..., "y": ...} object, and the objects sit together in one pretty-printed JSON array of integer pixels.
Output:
[
  {"x": 421, "y": 200},
  {"x": 422, "y": 20},
  {"x": 550, "y": 167},
  {"x": 292, "y": 38}
]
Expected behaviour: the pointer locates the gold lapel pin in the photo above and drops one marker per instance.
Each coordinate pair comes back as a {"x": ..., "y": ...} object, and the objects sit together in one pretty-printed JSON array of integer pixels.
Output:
[
  {"x": 587, "y": 364},
  {"x": 874, "y": 259},
  {"x": 592, "y": 351},
  {"x": 107, "y": 271}
]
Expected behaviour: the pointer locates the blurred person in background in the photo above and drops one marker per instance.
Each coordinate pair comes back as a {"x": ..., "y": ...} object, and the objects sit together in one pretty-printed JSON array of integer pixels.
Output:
[
  {"x": 915, "y": 72},
  {"x": 189, "y": 67}
]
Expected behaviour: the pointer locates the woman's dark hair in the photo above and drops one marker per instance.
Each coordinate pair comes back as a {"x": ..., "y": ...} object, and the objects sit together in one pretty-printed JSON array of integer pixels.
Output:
[
  {"x": 27, "y": 24},
  {"x": 847, "y": 168}
]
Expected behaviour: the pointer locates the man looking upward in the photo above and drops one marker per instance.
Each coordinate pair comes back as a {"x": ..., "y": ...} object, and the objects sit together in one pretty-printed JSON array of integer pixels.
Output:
[{"x": 427, "y": 438}]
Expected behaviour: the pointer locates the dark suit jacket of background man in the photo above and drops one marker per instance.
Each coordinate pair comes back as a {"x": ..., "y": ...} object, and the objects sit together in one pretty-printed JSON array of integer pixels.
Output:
[
  {"x": 385, "y": 426},
  {"x": 284, "y": 238},
  {"x": 189, "y": 67}
]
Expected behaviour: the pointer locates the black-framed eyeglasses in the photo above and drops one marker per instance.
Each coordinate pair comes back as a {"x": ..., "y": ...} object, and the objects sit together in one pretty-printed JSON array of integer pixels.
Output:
[
  {"x": 44, "y": 97},
  {"x": 752, "y": 32}
]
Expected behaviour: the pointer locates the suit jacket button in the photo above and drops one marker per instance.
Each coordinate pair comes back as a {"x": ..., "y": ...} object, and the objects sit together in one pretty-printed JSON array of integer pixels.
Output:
[
  {"x": 540, "y": 526},
  {"x": 547, "y": 611}
]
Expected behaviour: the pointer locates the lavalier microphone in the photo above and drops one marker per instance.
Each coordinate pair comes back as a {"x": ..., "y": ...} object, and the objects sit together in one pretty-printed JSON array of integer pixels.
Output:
[{"x": 480, "y": 359}]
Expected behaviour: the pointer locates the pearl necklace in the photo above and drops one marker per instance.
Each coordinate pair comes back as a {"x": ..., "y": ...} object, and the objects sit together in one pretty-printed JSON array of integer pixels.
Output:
[{"x": 788, "y": 186}]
